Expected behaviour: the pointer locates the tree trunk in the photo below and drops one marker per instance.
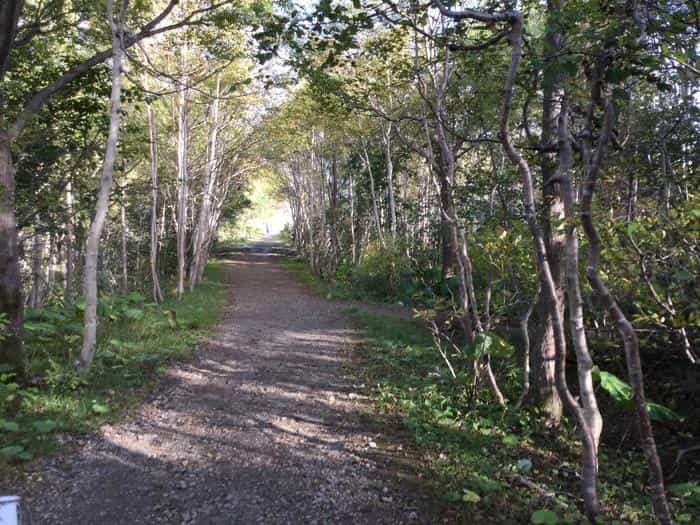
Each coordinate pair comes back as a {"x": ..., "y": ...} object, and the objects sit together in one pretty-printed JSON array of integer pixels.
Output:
[
  {"x": 182, "y": 187},
  {"x": 386, "y": 135},
  {"x": 589, "y": 458},
  {"x": 624, "y": 327},
  {"x": 584, "y": 362},
  {"x": 153, "y": 252},
  {"x": 124, "y": 239},
  {"x": 353, "y": 235},
  {"x": 333, "y": 200},
  {"x": 37, "y": 268},
  {"x": 446, "y": 242},
  {"x": 11, "y": 301},
  {"x": 69, "y": 239},
  {"x": 544, "y": 392},
  {"x": 87, "y": 353},
  {"x": 375, "y": 210},
  {"x": 202, "y": 233}
]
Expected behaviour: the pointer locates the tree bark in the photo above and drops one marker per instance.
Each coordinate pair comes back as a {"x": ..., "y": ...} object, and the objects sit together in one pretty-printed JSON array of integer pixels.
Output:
[
  {"x": 375, "y": 210},
  {"x": 10, "y": 11},
  {"x": 386, "y": 136},
  {"x": 153, "y": 251},
  {"x": 11, "y": 300},
  {"x": 37, "y": 268},
  {"x": 182, "y": 186},
  {"x": 87, "y": 353},
  {"x": 624, "y": 327},
  {"x": 69, "y": 239},
  {"x": 589, "y": 459},
  {"x": 353, "y": 241},
  {"x": 202, "y": 233},
  {"x": 124, "y": 238},
  {"x": 584, "y": 362},
  {"x": 544, "y": 394}
]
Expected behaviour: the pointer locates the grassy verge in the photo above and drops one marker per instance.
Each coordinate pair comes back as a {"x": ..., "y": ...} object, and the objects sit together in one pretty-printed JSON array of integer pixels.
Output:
[
  {"x": 495, "y": 465},
  {"x": 300, "y": 269},
  {"x": 330, "y": 289},
  {"x": 136, "y": 341}
]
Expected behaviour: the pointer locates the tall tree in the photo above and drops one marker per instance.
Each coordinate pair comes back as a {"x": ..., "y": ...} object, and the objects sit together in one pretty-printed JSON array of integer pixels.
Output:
[{"x": 116, "y": 26}]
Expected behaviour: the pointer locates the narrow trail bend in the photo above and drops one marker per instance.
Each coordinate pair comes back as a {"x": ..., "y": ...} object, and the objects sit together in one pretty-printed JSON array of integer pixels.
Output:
[{"x": 263, "y": 426}]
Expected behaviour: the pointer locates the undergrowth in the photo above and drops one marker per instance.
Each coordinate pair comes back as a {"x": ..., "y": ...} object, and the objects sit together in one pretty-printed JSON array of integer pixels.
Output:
[
  {"x": 501, "y": 465},
  {"x": 136, "y": 340},
  {"x": 494, "y": 464}
]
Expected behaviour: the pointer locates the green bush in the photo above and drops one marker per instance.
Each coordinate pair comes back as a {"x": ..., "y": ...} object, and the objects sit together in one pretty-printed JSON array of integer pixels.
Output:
[{"x": 385, "y": 272}]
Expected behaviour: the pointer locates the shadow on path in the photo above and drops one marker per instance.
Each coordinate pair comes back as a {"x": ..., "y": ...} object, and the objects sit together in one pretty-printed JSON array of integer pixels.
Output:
[{"x": 262, "y": 427}]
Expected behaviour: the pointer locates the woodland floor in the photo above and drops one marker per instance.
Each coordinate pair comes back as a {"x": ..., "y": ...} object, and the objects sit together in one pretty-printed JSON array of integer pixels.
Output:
[{"x": 265, "y": 425}]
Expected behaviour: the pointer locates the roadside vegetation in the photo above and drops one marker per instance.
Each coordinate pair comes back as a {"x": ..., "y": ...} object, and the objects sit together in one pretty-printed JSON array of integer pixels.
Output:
[
  {"x": 489, "y": 462},
  {"x": 137, "y": 340}
]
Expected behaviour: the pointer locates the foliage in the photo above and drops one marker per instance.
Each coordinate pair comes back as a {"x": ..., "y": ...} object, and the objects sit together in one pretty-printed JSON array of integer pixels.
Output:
[
  {"x": 456, "y": 435},
  {"x": 135, "y": 343}
]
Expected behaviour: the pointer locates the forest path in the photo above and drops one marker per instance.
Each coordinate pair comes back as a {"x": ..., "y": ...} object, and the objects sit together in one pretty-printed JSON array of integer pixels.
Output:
[{"x": 264, "y": 426}]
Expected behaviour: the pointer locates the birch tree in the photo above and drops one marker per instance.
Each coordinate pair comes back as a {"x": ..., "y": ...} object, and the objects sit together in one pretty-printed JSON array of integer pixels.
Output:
[{"x": 116, "y": 26}]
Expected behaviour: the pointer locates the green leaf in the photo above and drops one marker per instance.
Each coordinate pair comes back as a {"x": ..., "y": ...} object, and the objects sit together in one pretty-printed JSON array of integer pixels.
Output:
[
  {"x": 470, "y": 496},
  {"x": 544, "y": 517},
  {"x": 135, "y": 297},
  {"x": 453, "y": 496},
  {"x": 620, "y": 391},
  {"x": 12, "y": 451},
  {"x": 689, "y": 491},
  {"x": 482, "y": 343},
  {"x": 510, "y": 440},
  {"x": 44, "y": 427},
  {"x": 9, "y": 426},
  {"x": 632, "y": 228},
  {"x": 99, "y": 408},
  {"x": 661, "y": 413},
  {"x": 45, "y": 328},
  {"x": 133, "y": 313}
]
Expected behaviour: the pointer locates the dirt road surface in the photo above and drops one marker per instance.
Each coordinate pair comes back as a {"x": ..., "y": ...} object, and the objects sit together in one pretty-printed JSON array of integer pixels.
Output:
[{"x": 265, "y": 425}]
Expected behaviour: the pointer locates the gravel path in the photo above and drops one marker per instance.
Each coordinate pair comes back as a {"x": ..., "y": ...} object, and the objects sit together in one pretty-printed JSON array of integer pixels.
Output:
[{"x": 263, "y": 426}]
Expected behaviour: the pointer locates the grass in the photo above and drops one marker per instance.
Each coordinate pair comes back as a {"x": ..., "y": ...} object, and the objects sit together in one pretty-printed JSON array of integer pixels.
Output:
[
  {"x": 300, "y": 269},
  {"x": 329, "y": 288},
  {"x": 136, "y": 341},
  {"x": 495, "y": 465}
]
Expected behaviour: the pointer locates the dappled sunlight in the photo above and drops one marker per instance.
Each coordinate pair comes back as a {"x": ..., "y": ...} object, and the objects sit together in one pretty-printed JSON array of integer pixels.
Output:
[{"x": 264, "y": 409}]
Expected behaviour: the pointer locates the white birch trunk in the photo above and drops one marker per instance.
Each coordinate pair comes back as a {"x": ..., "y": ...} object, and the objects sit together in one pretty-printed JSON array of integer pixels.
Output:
[
  {"x": 87, "y": 353},
  {"x": 157, "y": 293}
]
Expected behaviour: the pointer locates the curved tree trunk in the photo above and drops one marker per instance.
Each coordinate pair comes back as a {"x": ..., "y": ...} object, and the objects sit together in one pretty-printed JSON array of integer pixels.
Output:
[
  {"x": 584, "y": 362},
  {"x": 624, "y": 327},
  {"x": 87, "y": 352},
  {"x": 589, "y": 460}
]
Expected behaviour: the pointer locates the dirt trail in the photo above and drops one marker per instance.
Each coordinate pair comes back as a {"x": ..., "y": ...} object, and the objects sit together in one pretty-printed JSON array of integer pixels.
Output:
[{"x": 262, "y": 427}]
